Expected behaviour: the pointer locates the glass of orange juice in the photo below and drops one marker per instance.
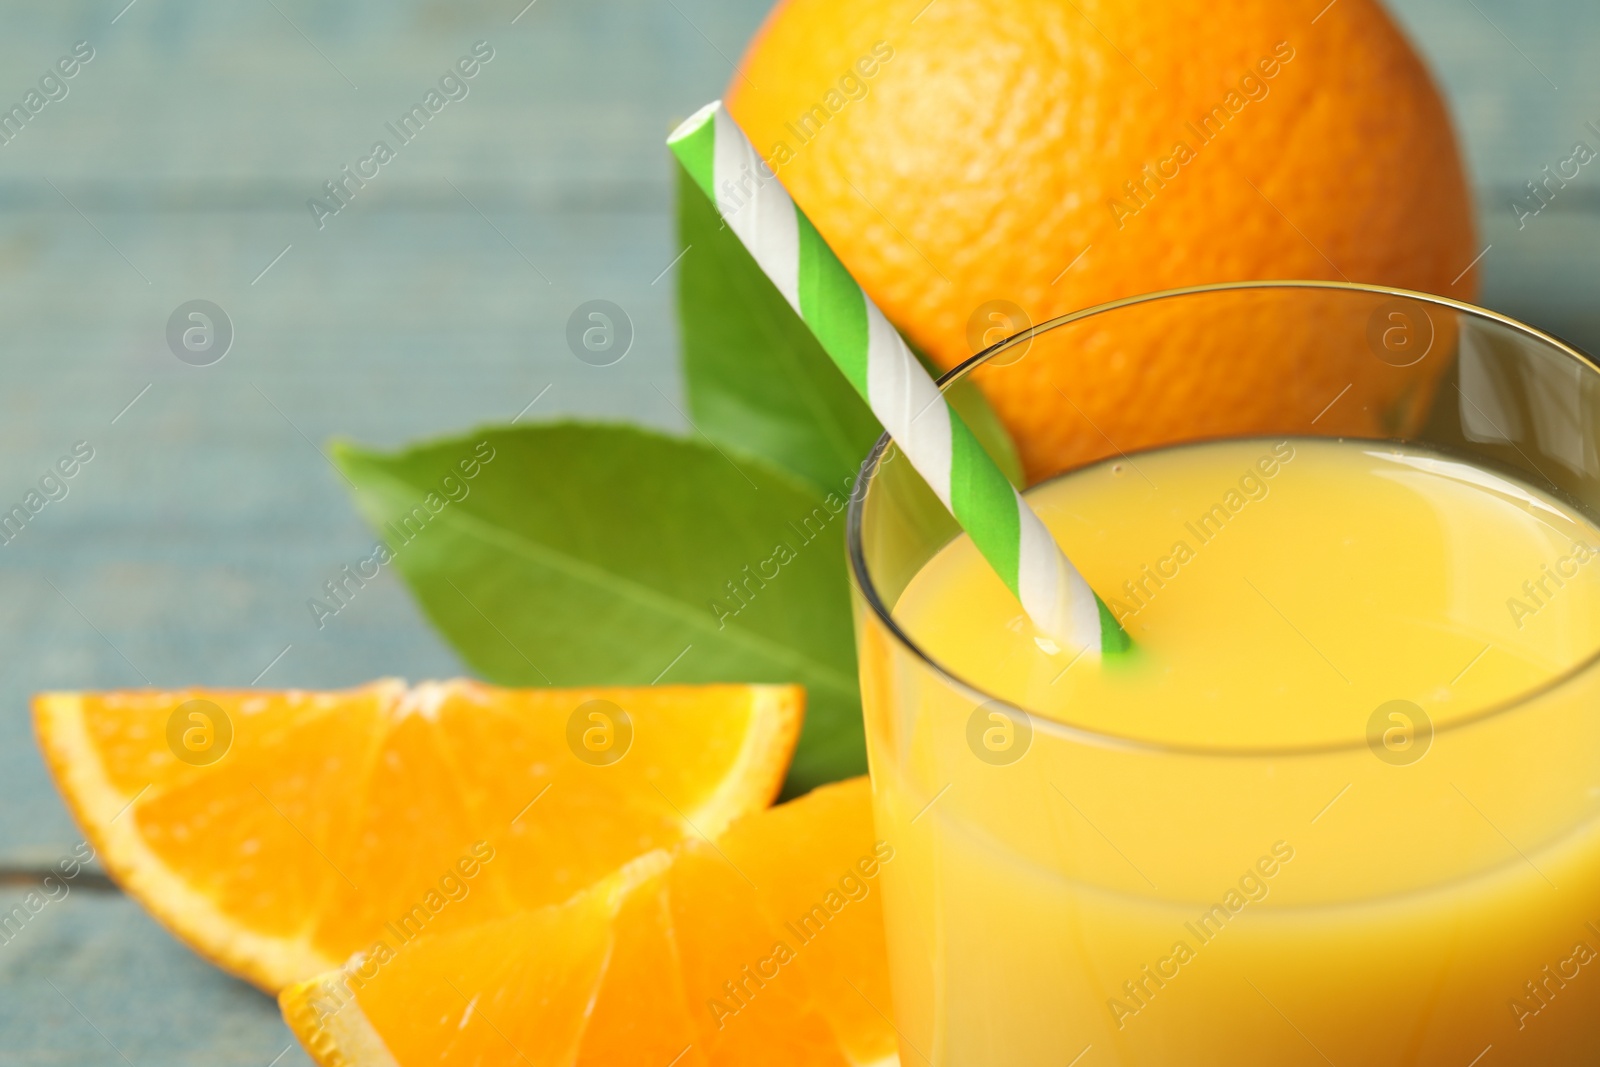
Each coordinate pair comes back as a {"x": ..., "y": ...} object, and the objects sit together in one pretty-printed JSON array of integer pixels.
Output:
[{"x": 1340, "y": 806}]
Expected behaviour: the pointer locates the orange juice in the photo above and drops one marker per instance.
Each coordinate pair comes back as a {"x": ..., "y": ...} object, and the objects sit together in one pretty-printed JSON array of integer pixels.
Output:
[{"x": 1336, "y": 808}]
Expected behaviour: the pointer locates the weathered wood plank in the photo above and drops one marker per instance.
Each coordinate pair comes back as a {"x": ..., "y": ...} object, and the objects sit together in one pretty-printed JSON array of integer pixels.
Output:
[{"x": 91, "y": 981}]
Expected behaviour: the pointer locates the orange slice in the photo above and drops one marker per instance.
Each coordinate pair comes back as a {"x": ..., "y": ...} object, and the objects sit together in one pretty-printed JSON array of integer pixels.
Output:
[
  {"x": 279, "y": 832},
  {"x": 763, "y": 947}
]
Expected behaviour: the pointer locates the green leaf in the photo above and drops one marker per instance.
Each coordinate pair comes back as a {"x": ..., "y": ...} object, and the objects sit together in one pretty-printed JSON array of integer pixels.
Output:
[
  {"x": 758, "y": 381},
  {"x": 597, "y": 554},
  {"x": 755, "y": 376}
]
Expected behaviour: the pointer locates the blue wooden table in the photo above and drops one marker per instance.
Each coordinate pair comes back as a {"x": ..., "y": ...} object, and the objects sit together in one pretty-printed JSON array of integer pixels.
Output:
[{"x": 177, "y": 167}]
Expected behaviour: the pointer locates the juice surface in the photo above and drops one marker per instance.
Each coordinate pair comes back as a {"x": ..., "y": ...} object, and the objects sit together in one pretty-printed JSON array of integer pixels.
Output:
[
  {"x": 1279, "y": 591},
  {"x": 1228, "y": 850}
]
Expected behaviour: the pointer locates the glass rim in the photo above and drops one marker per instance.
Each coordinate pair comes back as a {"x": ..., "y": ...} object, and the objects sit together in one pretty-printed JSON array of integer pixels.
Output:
[{"x": 861, "y": 578}]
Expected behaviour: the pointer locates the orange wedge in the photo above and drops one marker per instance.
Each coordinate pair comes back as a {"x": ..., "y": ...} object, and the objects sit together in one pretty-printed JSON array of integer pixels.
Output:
[
  {"x": 279, "y": 832},
  {"x": 763, "y": 947}
]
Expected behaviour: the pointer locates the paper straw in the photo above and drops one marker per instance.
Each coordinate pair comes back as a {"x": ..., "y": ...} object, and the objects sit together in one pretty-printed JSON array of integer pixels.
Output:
[{"x": 903, "y": 396}]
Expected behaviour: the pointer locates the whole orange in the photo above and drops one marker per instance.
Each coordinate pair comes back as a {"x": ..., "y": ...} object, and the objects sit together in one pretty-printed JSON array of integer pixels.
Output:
[{"x": 1054, "y": 154}]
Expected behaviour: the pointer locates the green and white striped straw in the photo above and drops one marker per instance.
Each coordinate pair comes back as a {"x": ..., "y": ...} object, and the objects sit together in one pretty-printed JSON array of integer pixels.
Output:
[{"x": 903, "y": 396}]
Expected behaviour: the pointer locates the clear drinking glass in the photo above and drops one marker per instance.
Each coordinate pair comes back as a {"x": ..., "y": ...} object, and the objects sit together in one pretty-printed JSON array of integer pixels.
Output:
[{"x": 1446, "y": 906}]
